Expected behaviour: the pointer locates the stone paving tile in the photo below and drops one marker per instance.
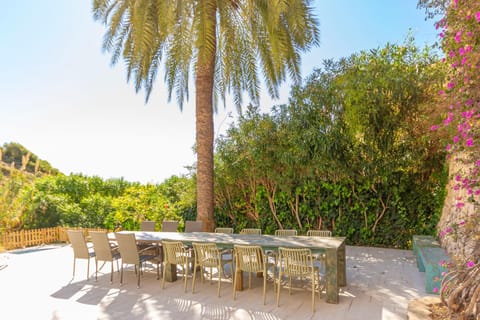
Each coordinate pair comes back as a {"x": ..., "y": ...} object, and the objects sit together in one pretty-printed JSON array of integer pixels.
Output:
[{"x": 37, "y": 284}]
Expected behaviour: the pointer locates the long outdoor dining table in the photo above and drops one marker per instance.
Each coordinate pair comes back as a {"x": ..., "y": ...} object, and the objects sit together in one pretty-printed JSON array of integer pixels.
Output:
[{"x": 333, "y": 247}]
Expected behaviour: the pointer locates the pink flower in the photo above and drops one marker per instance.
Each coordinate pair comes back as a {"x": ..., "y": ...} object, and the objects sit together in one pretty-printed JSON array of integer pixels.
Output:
[
  {"x": 469, "y": 102},
  {"x": 461, "y": 51},
  {"x": 477, "y": 163},
  {"x": 477, "y": 16},
  {"x": 461, "y": 223},
  {"x": 450, "y": 85},
  {"x": 448, "y": 147},
  {"x": 467, "y": 114},
  {"x": 468, "y": 48},
  {"x": 456, "y": 187},
  {"x": 458, "y": 178},
  {"x": 455, "y": 140},
  {"x": 449, "y": 119},
  {"x": 441, "y": 35},
  {"x": 460, "y": 205},
  {"x": 470, "y": 264},
  {"x": 469, "y": 142},
  {"x": 451, "y": 54},
  {"x": 433, "y": 128},
  {"x": 458, "y": 36},
  {"x": 435, "y": 290},
  {"x": 441, "y": 92},
  {"x": 469, "y": 33}
]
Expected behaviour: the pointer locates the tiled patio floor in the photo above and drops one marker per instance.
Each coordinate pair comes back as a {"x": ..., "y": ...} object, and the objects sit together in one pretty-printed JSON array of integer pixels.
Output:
[{"x": 37, "y": 284}]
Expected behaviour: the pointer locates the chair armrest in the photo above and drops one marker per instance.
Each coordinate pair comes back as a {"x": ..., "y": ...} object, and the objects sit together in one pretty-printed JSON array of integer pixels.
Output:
[{"x": 148, "y": 248}]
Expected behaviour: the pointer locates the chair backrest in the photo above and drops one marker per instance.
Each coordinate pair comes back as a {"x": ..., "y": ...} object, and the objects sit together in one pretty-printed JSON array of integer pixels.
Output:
[
  {"x": 77, "y": 239},
  {"x": 286, "y": 232},
  {"x": 169, "y": 226},
  {"x": 101, "y": 245},
  {"x": 207, "y": 254},
  {"x": 249, "y": 258},
  {"x": 147, "y": 226},
  {"x": 319, "y": 233},
  {"x": 193, "y": 226},
  {"x": 223, "y": 230},
  {"x": 127, "y": 245},
  {"x": 296, "y": 261},
  {"x": 250, "y": 231},
  {"x": 174, "y": 252}
]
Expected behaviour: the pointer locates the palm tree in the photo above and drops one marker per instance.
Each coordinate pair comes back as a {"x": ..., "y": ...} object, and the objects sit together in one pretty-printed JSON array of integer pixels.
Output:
[{"x": 226, "y": 43}]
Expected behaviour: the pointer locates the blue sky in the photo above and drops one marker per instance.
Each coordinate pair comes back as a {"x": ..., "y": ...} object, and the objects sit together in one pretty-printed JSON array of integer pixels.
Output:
[{"x": 61, "y": 98}]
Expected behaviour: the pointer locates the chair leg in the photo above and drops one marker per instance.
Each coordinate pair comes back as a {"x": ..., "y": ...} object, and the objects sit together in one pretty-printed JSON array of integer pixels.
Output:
[
  {"x": 313, "y": 293},
  {"x": 235, "y": 283},
  {"x": 194, "y": 276},
  {"x": 220, "y": 270},
  {"x": 88, "y": 268},
  {"x": 96, "y": 270},
  {"x": 264, "y": 285},
  {"x": 138, "y": 274},
  {"x": 121, "y": 275},
  {"x": 164, "y": 273},
  {"x": 111, "y": 273},
  {"x": 74, "y": 260},
  {"x": 185, "y": 272},
  {"x": 279, "y": 286}
]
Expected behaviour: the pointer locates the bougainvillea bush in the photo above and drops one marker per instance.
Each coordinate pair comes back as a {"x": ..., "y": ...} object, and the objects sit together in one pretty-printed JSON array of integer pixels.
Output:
[{"x": 459, "y": 31}]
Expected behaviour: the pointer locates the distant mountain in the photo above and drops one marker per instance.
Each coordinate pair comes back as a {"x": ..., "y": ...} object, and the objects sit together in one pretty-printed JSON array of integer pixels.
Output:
[{"x": 22, "y": 159}]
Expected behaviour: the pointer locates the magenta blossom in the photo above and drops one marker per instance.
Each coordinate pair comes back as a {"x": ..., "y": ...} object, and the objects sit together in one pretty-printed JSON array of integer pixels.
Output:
[
  {"x": 455, "y": 139},
  {"x": 460, "y": 205},
  {"x": 435, "y": 290},
  {"x": 467, "y": 114},
  {"x": 461, "y": 51},
  {"x": 450, "y": 85},
  {"x": 458, "y": 36},
  {"x": 470, "y": 264},
  {"x": 448, "y": 119},
  {"x": 469, "y": 142},
  {"x": 434, "y": 127},
  {"x": 477, "y": 16}
]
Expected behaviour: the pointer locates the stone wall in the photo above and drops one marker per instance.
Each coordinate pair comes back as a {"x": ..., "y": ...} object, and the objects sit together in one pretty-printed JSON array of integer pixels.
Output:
[{"x": 459, "y": 225}]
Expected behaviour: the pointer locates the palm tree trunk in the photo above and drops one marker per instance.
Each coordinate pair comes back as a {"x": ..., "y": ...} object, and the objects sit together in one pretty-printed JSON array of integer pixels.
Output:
[{"x": 204, "y": 121}]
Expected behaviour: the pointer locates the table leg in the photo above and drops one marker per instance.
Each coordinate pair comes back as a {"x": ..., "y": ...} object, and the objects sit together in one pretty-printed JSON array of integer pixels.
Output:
[
  {"x": 171, "y": 272},
  {"x": 331, "y": 275},
  {"x": 342, "y": 266}
]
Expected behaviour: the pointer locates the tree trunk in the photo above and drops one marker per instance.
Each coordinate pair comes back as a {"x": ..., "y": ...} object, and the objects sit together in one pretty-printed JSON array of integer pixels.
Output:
[{"x": 205, "y": 69}]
